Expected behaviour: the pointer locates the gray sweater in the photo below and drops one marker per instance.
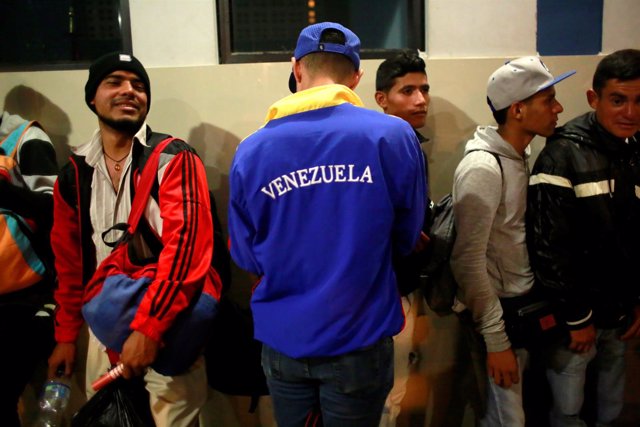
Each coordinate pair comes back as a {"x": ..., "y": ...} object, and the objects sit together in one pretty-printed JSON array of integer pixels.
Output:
[{"x": 490, "y": 258}]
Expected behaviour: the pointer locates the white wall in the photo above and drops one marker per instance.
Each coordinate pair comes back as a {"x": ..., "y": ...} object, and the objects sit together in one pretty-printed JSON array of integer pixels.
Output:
[
  {"x": 621, "y": 25},
  {"x": 174, "y": 33},
  {"x": 466, "y": 28}
]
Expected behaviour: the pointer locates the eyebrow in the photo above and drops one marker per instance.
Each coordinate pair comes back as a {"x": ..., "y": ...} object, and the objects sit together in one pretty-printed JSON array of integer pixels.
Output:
[
  {"x": 416, "y": 86},
  {"x": 115, "y": 75}
]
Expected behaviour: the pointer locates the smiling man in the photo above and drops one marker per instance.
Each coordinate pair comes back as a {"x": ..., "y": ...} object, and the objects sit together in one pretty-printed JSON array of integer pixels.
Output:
[
  {"x": 584, "y": 219},
  {"x": 93, "y": 193}
]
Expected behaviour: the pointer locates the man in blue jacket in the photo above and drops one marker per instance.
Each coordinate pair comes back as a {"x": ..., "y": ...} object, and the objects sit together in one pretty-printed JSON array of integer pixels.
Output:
[{"x": 319, "y": 197}]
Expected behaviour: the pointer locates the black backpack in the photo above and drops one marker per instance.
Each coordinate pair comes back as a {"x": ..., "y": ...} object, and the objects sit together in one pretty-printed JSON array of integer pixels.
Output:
[{"x": 437, "y": 282}]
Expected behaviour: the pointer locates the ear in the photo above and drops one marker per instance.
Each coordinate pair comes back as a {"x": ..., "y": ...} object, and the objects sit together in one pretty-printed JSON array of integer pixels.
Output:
[
  {"x": 356, "y": 79},
  {"x": 295, "y": 67},
  {"x": 592, "y": 98},
  {"x": 516, "y": 110},
  {"x": 381, "y": 99}
]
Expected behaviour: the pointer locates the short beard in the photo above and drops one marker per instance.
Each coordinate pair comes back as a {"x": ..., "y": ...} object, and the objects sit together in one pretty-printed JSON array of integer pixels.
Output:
[{"x": 128, "y": 127}]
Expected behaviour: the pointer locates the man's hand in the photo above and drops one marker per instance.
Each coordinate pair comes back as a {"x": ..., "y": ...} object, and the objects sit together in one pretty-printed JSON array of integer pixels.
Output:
[
  {"x": 422, "y": 242},
  {"x": 64, "y": 354},
  {"x": 634, "y": 329},
  {"x": 138, "y": 352},
  {"x": 582, "y": 339},
  {"x": 502, "y": 366}
]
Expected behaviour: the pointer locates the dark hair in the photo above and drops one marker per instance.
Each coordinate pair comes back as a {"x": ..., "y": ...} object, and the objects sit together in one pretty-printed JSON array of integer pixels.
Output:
[
  {"x": 622, "y": 65},
  {"x": 500, "y": 115},
  {"x": 407, "y": 61}
]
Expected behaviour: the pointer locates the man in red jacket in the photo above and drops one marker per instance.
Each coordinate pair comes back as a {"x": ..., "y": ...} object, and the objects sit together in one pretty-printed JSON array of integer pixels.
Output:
[{"x": 92, "y": 194}]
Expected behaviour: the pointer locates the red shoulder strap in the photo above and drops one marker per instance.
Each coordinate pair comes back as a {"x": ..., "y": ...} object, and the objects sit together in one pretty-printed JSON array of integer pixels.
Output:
[{"x": 143, "y": 189}]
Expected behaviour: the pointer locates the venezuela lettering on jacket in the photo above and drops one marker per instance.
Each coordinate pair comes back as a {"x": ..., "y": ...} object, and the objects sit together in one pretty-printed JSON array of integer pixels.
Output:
[{"x": 327, "y": 174}]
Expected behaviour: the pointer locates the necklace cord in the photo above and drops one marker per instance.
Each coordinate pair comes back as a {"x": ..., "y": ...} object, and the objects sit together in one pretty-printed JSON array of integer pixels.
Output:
[{"x": 114, "y": 160}]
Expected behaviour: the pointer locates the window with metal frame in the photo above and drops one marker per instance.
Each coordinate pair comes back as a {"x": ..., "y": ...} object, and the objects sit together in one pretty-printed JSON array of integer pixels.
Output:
[
  {"x": 267, "y": 30},
  {"x": 61, "y": 34},
  {"x": 569, "y": 27}
]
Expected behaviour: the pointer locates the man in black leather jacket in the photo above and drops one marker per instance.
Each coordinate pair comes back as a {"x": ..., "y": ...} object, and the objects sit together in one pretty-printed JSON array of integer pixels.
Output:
[{"x": 583, "y": 229}]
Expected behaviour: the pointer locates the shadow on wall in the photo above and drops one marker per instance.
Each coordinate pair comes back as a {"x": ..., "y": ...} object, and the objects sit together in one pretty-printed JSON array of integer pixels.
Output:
[
  {"x": 444, "y": 151},
  {"x": 216, "y": 148},
  {"x": 32, "y": 105}
]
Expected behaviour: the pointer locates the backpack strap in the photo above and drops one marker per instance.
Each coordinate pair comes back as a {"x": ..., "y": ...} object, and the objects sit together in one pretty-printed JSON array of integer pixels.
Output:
[
  {"x": 495, "y": 155},
  {"x": 147, "y": 179},
  {"x": 143, "y": 192},
  {"x": 142, "y": 156},
  {"x": 10, "y": 144}
]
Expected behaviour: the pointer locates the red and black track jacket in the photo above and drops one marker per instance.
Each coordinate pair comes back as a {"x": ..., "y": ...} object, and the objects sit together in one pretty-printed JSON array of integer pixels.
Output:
[{"x": 184, "y": 260}]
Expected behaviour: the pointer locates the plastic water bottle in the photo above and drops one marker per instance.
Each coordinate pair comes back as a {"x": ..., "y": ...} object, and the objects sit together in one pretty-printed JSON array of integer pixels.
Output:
[{"x": 54, "y": 400}]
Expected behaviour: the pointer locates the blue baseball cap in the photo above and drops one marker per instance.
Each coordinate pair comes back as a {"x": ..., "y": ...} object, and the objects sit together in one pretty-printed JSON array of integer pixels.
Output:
[{"x": 309, "y": 42}]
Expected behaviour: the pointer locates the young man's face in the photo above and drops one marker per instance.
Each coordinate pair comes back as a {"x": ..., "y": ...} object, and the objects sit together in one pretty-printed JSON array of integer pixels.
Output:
[
  {"x": 407, "y": 99},
  {"x": 121, "y": 101},
  {"x": 540, "y": 113},
  {"x": 618, "y": 107}
]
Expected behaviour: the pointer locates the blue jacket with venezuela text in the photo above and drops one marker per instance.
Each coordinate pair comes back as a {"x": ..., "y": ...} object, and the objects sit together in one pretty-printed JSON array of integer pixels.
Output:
[{"x": 319, "y": 195}]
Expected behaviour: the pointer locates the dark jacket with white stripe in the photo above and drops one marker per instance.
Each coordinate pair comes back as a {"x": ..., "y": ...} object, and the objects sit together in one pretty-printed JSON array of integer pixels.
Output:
[{"x": 583, "y": 223}]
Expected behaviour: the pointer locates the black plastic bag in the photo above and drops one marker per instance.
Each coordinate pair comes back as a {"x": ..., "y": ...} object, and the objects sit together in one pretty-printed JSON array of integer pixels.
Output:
[{"x": 123, "y": 403}]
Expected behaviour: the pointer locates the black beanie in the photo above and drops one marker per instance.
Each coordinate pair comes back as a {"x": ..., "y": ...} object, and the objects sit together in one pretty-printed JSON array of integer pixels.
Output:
[{"x": 104, "y": 65}]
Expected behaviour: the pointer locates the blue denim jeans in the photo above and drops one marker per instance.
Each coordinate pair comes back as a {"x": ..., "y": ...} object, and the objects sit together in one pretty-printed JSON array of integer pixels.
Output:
[
  {"x": 347, "y": 390},
  {"x": 566, "y": 374},
  {"x": 504, "y": 405}
]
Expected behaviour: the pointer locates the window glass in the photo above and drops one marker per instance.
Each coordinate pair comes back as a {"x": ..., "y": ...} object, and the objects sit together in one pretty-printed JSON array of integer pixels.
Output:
[
  {"x": 569, "y": 27},
  {"x": 61, "y": 33},
  {"x": 267, "y": 30}
]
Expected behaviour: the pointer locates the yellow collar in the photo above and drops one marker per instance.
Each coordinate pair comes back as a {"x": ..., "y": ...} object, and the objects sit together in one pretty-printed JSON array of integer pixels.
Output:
[{"x": 313, "y": 99}]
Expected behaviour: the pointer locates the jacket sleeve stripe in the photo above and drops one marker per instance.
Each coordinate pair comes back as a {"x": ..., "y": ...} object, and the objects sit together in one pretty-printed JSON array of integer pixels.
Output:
[
  {"x": 191, "y": 215},
  {"x": 168, "y": 288},
  {"x": 590, "y": 189},
  {"x": 587, "y": 189},
  {"x": 543, "y": 178}
]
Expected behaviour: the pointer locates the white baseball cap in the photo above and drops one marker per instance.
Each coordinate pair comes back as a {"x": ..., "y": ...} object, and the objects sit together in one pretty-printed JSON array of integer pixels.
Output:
[{"x": 519, "y": 79}]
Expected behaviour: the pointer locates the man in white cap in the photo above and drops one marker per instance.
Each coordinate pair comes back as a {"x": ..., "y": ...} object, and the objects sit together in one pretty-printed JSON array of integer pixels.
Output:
[
  {"x": 489, "y": 259},
  {"x": 320, "y": 196}
]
